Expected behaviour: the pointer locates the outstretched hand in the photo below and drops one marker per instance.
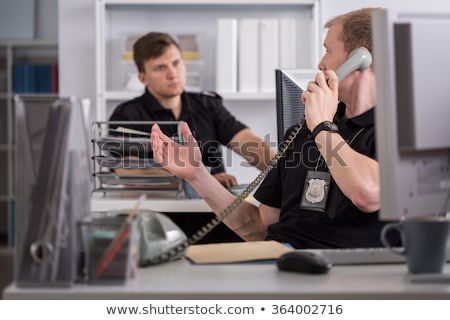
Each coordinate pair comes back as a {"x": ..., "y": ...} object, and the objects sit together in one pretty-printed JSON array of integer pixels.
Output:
[{"x": 182, "y": 160}]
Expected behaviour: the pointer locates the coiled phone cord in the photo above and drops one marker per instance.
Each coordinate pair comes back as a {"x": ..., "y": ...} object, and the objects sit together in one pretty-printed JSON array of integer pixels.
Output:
[{"x": 201, "y": 233}]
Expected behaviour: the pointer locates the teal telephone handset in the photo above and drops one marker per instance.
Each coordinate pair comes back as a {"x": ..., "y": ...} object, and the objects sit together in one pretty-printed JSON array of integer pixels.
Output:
[{"x": 358, "y": 59}]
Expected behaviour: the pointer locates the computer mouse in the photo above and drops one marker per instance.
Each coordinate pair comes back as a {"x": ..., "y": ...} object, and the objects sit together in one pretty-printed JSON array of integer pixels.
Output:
[{"x": 304, "y": 262}]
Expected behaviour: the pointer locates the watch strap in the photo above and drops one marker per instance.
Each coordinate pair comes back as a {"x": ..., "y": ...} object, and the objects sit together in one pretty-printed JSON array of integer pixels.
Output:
[{"x": 325, "y": 125}]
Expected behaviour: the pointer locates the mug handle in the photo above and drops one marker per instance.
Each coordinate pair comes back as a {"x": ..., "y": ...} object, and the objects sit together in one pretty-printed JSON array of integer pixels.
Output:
[{"x": 397, "y": 226}]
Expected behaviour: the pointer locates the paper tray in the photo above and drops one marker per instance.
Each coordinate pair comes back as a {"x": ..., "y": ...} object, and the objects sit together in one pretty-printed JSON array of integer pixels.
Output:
[
  {"x": 124, "y": 146},
  {"x": 127, "y": 163},
  {"x": 150, "y": 180}
]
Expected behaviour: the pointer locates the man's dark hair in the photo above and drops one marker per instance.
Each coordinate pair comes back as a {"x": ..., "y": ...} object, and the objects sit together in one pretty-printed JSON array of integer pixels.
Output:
[{"x": 151, "y": 45}]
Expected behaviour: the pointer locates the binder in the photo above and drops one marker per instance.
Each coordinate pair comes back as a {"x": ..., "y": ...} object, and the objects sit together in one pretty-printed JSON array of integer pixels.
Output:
[
  {"x": 288, "y": 43},
  {"x": 305, "y": 52},
  {"x": 55, "y": 78},
  {"x": 226, "y": 53},
  {"x": 248, "y": 56},
  {"x": 269, "y": 39}
]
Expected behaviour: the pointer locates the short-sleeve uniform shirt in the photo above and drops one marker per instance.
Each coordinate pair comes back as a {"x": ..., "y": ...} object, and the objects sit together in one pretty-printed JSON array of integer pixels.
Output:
[{"x": 342, "y": 224}]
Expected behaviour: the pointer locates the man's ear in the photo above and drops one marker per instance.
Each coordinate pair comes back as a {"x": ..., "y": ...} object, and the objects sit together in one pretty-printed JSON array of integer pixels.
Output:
[{"x": 141, "y": 77}]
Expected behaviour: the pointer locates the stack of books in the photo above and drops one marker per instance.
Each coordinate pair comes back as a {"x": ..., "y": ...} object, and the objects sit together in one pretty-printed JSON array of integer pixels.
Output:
[{"x": 35, "y": 78}]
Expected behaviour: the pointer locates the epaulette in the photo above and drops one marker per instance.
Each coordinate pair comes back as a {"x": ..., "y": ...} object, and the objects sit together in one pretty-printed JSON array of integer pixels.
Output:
[{"x": 211, "y": 94}]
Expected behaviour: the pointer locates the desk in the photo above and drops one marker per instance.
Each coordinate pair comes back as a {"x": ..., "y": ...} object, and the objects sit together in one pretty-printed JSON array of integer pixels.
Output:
[{"x": 182, "y": 280}]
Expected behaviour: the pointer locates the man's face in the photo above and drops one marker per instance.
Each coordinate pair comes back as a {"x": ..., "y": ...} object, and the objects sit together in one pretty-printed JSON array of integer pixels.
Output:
[
  {"x": 335, "y": 54},
  {"x": 165, "y": 76}
]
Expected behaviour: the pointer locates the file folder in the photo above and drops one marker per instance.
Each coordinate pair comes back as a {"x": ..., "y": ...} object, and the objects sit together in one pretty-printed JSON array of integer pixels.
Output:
[
  {"x": 248, "y": 56},
  {"x": 226, "y": 53},
  {"x": 269, "y": 59}
]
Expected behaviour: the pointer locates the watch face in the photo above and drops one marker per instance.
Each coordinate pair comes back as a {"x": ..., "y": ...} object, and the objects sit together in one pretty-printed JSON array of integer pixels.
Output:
[
  {"x": 326, "y": 125},
  {"x": 330, "y": 125}
]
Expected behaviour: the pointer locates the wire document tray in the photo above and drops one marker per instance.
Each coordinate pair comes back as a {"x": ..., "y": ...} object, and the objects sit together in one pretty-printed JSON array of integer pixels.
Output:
[{"x": 123, "y": 158}]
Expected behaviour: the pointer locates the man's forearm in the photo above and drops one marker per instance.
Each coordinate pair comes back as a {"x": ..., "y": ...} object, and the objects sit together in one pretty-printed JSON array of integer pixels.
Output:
[{"x": 245, "y": 219}]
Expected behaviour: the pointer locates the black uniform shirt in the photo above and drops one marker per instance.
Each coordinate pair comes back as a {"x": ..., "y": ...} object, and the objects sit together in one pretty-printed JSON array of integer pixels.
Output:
[
  {"x": 210, "y": 122},
  {"x": 342, "y": 225}
]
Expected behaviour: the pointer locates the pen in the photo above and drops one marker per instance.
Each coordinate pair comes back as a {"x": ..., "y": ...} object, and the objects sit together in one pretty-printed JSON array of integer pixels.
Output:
[{"x": 124, "y": 232}]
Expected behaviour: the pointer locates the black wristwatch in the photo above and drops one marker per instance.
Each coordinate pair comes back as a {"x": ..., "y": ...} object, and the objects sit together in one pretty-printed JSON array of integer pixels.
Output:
[{"x": 325, "y": 125}]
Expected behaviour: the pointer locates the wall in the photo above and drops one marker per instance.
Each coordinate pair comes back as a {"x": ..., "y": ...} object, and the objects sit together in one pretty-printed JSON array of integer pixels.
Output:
[
  {"x": 13, "y": 15},
  {"x": 76, "y": 20},
  {"x": 47, "y": 21}
]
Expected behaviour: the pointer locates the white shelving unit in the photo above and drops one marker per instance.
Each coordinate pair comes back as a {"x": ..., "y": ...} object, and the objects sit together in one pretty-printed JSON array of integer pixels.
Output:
[
  {"x": 11, "y": 52},
  {"x": 117, "y": 19}
]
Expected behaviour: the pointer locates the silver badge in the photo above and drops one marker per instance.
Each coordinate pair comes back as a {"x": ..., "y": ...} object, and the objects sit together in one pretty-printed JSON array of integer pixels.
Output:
[{"x": 316, "y": 190}]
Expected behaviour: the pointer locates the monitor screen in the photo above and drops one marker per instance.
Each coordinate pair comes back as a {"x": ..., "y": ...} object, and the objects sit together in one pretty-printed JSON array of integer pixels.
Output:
[
  {"x": 412, "y": 113},
  {"x": 289, "y": 87}
]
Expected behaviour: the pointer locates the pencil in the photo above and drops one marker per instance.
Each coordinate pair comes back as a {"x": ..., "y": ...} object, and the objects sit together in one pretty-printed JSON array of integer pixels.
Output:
[{"x": 115, "y": 245}]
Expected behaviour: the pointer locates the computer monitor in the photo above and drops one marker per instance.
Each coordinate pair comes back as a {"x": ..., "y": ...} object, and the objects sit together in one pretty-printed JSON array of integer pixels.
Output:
[
  {"x": 289, "y": 87},
  {"x": 413, "y": 112}
]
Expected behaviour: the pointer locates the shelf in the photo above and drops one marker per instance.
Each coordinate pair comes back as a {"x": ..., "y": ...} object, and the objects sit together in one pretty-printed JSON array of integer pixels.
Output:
[
  {"x": 28, "y": 44},
  {"x": 121, "y": 95},
  {"x": 42, "y": 95},
  {"x": 257, "y": 96},
  {"x": 127, "y": 95},
  {"x": 208, "y": 2}
]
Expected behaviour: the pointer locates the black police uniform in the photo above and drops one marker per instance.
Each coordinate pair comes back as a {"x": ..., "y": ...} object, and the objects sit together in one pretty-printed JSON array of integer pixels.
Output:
[
  {"x": 210, "y": 122},
  {"x": 342, "y": 224}
]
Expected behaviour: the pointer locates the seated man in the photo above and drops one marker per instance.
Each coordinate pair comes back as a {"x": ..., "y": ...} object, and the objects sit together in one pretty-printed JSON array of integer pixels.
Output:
[
  {"x": 163, "y": 72},
  {"x": 341, "y": 210}
]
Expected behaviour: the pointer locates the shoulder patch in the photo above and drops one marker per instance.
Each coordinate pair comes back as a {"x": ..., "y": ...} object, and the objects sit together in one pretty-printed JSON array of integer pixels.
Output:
[{"x": 211, "y": 94}]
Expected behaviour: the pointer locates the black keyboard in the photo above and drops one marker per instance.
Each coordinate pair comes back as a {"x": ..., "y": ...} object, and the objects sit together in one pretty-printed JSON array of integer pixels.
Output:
[{"x": 360, "y": 256}]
